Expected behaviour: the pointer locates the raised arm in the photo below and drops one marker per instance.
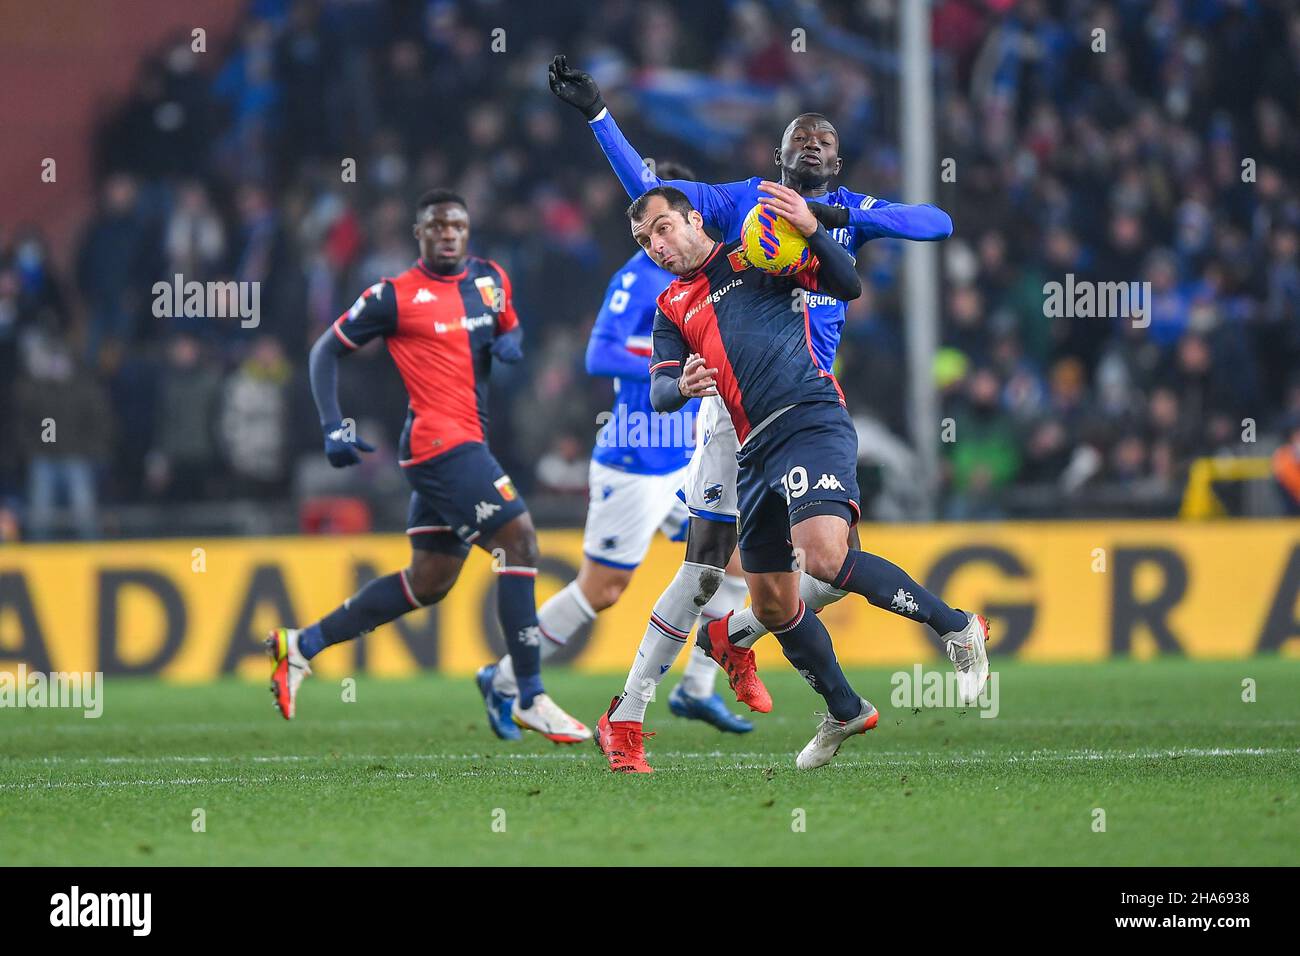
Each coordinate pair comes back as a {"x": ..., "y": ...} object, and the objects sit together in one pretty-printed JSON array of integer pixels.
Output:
[
  {"x": 716, "y": 203},
  {"x": 874, "y": 218}
]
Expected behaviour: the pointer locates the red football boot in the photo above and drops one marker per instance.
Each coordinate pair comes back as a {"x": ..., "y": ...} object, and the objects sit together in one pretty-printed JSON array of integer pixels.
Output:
[
  {"x": 738, "y": 662},
  {"x": 621, "y": 743}
]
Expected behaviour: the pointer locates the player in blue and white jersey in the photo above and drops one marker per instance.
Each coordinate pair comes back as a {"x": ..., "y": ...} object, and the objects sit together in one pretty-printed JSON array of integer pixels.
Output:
[{"x": 637, "y": 468}]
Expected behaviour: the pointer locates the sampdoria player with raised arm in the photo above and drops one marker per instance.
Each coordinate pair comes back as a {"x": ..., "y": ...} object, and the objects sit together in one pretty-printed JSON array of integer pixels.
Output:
[
  {"x": 637, "y": 468},
  {"x": 444, "y": 321},
  {"x": 808, "y": 159},
  {"x": 725, "y": 328}
]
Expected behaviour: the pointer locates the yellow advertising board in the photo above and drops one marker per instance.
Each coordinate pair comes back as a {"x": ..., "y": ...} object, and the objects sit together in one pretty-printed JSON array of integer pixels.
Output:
[{"x": 1053, "y": 591}]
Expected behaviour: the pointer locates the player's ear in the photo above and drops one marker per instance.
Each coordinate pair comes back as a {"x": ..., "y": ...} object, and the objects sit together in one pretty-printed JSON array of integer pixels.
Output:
[
  {"x": 776, "y": 156},
  {"x": 695, "y": 218},
  {"x": 839, "y": 164}
]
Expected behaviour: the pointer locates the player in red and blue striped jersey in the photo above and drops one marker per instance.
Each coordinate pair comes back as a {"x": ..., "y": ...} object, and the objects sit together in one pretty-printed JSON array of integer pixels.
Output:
[
  {"x": 637, "y": 469},
  {"x": 728, "y": 329},
  {"x": 444, "y": 320}
]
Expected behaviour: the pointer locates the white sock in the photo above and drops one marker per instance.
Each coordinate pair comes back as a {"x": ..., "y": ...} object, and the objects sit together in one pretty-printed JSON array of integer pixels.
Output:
[
  {"x": 674, "y": 614},
  {"x": 558, "y": 619},
  {"x": 744, "y": 629},
  {"x": 701, "y": 672}
]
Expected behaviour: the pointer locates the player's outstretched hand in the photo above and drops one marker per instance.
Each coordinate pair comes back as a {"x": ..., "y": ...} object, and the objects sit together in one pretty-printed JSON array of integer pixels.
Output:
[
  {"x": 342, "y": 445},
  {"x": 506, "y": 348},
  {"x": 789, "y": 205},
  {"x": 697, "y": 381},
  {"x": 576, "y": 88}
]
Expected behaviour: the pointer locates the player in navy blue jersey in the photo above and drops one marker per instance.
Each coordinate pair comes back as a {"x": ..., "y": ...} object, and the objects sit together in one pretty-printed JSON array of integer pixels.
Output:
[
  {"x": 637, "y": 468},
  {"x": 728, "y": 329}
]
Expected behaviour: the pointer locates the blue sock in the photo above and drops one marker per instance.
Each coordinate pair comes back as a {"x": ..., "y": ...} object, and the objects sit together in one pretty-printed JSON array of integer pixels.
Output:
[
  {"x": 517, "y": 609},
  {"x": 382, "y": 600},
  {"x": 889, "y": 587},
  {"x": 807, "y": 645}
]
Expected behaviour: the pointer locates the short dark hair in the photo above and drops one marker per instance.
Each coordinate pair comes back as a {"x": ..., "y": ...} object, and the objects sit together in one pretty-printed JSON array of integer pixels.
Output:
[
  {"x": 676, "y": 200},
  {"x": 669, "y": 169},
  {"x": 435, "y": 196}
]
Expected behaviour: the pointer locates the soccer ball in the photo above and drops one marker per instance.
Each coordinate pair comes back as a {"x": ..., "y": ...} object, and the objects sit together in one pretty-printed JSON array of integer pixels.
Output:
[{"x": 770, "y": 243}]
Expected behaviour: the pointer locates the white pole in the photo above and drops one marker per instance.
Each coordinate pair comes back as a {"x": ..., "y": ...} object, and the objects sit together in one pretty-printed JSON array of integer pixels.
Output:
[{"x": 921, "y": 259}]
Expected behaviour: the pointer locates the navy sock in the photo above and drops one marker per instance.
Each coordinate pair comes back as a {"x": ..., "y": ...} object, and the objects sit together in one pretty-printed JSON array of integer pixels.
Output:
[
  {"x": 379, "y": 602},
  {"x": 889, "y": 587},
  {"x": 807, "y": 645},
  {"x": 517, "y": 609}
]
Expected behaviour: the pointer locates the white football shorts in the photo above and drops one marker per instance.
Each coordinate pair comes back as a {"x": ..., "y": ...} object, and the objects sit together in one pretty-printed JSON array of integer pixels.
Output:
[
  {"x": 627, "y": 509},
  {"x": 709, "y": 488}
]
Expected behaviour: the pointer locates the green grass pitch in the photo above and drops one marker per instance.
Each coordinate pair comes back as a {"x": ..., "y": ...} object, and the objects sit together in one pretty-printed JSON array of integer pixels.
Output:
[{"x": 1186, "y": 772}]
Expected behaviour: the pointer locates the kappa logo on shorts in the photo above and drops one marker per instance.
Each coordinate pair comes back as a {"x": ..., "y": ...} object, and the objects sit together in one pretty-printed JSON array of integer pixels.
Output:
[
  {"x": 484, "y": 510},
  {"x": 712, "y": 494},
  {"x": 829, "y": 483},
  {"x": 609, "y": 543},
  {"x": 506, "y": 488}
]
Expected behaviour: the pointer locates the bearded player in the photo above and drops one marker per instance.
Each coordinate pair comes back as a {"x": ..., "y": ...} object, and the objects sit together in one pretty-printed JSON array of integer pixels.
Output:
[
  {"x": 638, "y": 465},
  {"x": 726, "y": 328},
  {"x": 445, "y": 321},
  {"x": 808, "y": 159}
]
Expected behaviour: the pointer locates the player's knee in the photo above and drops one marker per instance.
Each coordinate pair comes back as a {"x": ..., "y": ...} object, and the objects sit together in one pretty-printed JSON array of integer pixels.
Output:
[
  {"x": 429, "y": 583},
  {"x": 772, "y": 609},
  {"x": 607, "y": 594},
  {"x": 518, "y": 544},
  {"x": 823, "y": 563},
  {"x": 706, "y": 585}
]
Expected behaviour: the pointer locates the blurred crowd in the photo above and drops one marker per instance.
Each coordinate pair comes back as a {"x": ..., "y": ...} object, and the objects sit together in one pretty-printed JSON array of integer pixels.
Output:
[{"x": 1169, "y": 158}]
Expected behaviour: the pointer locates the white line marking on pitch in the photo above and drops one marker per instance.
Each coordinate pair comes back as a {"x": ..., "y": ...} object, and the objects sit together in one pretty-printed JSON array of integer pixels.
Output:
[{"x": 863, "y": 759}]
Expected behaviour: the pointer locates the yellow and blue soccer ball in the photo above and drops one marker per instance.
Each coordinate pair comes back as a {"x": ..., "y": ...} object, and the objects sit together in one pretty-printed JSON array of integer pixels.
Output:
[{"x": 770, "y": 243}]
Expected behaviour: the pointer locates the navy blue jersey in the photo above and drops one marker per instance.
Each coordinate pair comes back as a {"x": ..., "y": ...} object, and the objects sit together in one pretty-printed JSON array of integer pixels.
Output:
[
  {"x": 636, "y": 438},
  {"x": 750, "y": 326}
]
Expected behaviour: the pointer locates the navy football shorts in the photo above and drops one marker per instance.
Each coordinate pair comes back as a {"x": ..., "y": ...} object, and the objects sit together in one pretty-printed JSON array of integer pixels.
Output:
[
  {"x": 803, "y": 464},
  {"x": 459, "y": 498}
]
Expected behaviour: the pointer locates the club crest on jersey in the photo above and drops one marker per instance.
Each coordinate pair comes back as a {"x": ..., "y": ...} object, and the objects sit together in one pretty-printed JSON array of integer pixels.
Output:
[
  {"x": 487, "y": 290},
  {"x": 738, "y": 262},
  {"x": 505, "y": 488}
]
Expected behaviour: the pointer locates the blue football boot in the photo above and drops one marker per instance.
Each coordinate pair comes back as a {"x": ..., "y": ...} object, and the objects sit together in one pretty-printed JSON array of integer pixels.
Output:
[
  {"x": 711, "y": 710},
  {"x": 500, "y": 708}
]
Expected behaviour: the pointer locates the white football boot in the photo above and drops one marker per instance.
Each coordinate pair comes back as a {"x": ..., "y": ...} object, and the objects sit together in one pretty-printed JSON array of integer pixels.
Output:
[
  {"x": 546, "y": 717},
  {"x": 290, "y": 668},
  {"x": 832, "y": 734},
  {"x": 967, "y": 652}
]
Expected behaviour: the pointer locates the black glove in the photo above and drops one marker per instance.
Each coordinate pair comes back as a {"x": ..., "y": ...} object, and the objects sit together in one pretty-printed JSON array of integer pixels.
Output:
[
  {"x": 507, "y": 348},
  {"x": 342, "y": 445},
  {"x": 576, "y": 88},
  {"x": 832, "y": 217}
]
